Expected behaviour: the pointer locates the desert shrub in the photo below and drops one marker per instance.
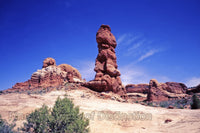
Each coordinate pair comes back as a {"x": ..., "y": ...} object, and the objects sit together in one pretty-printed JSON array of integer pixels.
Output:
[
  {"x": 150, "y": 104},
  {"x": 195, "y": 102},
  {"x": 181, "y": 107},
  {"x": 64, "y": 117},
  {"x": 38, "y": 121},
  {"x": 5, "y": 127},
  {"x": 164, "y": 104},
  {"x": 28, "y": 92}
]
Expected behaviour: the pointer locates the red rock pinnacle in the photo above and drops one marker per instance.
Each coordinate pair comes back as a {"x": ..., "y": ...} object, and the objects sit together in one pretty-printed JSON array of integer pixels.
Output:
[{"x": 107, "y": 75}]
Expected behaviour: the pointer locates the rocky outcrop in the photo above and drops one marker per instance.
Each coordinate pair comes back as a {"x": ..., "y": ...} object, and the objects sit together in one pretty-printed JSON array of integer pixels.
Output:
[
  {"x": 50, "y": 76},
  {"x": 49, "y": 62},
  {"x": 194, "y": 89},
  {"x": 107, "y": 75},
  {"x": 137, "y": 88},
  {"x": 72, "y": 70},
  {"x": 165, "y": 91}
]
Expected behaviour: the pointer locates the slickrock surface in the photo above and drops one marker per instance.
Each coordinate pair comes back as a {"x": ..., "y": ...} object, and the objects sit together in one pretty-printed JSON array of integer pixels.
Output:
[{"x": 106, "y": 115}]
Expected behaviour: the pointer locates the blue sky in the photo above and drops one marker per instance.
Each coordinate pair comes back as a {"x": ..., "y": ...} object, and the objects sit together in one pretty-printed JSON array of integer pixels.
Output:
[{"x": 156, "y": 38}]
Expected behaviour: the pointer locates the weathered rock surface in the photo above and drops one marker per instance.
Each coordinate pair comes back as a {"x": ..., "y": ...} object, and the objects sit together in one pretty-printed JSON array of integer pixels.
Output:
[
  {"x": 165, "y": 91},
  {"x": 137, "y": 88},
  {"x": 72, "y": 70},
  {"x": 49, "y": 76},
  {"x": 107, "y": 75},
  {"x": 194, "y": 90},
  {"x": 49, "y": 62}
]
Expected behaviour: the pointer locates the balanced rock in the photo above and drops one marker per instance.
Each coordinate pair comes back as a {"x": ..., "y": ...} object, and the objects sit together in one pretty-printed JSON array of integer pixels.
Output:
[
  {"x": 107, "y": 75},
  {"x": 165, "y": 91},
  {"x": 49, "y": 62}
]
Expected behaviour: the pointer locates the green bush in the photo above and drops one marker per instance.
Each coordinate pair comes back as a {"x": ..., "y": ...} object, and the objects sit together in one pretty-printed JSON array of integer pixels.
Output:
[
  {"x": 5, "y": 127},
  {"x": 64, "y": 117},
  {"x": 195, "y": 102},
  {"x": 164, "y": 104},
  {"x": 150, "y": 104},
  {"x": 38, "y": 121}
]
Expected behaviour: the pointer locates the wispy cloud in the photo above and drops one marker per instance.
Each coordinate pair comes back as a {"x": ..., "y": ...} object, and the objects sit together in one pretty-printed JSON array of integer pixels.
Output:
[
  {"x": 127, "y": 39},
  {"x": 135, "y": 45},
  {"x": 130, "y": 43},
  {"x": 148, "y": 54},
  {"x": 138, "y": 47},
  {"x": 131, "y": 40},
  {"x": 121, "y": 38},
  {"x": 135, "y": 48},
  {"x": 87, "y": 70},
  {"x": 194, "y": 81},
  {"x": 131, "y": 74}
]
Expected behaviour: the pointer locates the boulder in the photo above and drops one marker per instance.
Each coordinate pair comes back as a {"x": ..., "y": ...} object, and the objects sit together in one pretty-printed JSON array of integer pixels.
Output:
[
  {"x": 49, "y": 62},
  {"x": 72, "y": 70}
]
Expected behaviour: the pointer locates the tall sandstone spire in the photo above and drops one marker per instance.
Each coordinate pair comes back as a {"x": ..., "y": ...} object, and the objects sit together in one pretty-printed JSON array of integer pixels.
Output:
[{"x": 107, "y": 75}]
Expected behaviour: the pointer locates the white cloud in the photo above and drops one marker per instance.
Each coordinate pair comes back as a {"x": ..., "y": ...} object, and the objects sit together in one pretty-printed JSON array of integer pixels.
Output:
[
  {"x": 131, "y": 40},
  {"x": 127, "y": 39},
  {"x": 131, "y": 74},
  {"x": 87, "y": 70},
  {"x": 121, "y": 38},
  {"x": 148, "y": 54},
  {"x": 135, "y": 45},
  {"x": 193, "y": 82}
]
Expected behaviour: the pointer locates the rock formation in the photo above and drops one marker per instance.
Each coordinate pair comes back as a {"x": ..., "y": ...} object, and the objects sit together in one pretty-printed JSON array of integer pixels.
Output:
[
  {"x": 69, "y": 68},
  {"x": 49, "y": 62},
  {"x": 137, "y": 88},
  {"x": 194, "y": 89},
  {"x": 49, "y": 76},
  {"x": 165, "y": 91},
  {"x": 107, "y": 75}
]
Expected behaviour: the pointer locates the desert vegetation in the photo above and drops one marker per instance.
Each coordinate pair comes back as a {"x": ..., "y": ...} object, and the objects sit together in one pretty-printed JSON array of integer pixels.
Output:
[
  {"x": 5, "y": 127},
  {"x": 64, "y": 117},
  {"x": 195, "y": 102},
  {"x": 191, "y": 102}
]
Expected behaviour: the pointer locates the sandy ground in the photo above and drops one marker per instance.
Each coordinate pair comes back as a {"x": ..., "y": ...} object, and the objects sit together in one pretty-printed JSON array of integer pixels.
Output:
[{"x": 106, "y": 116}]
